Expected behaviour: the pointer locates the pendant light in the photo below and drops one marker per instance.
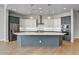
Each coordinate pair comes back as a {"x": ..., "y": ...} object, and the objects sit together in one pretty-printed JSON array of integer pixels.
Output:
[
  {"x": 31, "y": 17},
  {"x": 49, "y": 17}
]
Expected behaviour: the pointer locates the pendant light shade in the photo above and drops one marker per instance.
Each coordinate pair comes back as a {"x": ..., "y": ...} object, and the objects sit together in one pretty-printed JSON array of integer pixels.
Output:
[
  {"x": 49, "y": 17},
  {"x": 31, "y": 17}
]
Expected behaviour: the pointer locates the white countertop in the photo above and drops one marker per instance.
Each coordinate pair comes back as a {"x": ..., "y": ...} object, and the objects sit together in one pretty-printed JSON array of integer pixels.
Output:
[{"x": 39, "y": 33}]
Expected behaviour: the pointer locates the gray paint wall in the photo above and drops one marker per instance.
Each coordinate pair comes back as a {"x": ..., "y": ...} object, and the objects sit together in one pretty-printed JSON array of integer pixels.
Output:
[
  {"x": 76, "y": 24},
  {"x": 1, "y": 22}
]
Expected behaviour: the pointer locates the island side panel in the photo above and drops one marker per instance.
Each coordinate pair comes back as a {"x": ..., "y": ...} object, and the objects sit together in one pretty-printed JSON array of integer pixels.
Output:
[
  {"x": 19, "y": 38},
  {"x": 39, "y": 40},
  {"x": 60, "y": 40}
]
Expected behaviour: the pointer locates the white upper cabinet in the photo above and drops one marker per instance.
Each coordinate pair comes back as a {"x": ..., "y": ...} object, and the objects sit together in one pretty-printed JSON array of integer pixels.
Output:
[
  {"x": 52, "y": 24},
  {"x": 49, "y": 25},
  {"x": 28, "y": 25},
  {"x": 57, "y": 24},
  {"x": 22, "y": 24}
]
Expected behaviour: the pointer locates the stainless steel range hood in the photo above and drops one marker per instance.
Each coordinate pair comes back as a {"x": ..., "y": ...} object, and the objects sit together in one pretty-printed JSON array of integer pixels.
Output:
[{"x": 40, "y": 22}]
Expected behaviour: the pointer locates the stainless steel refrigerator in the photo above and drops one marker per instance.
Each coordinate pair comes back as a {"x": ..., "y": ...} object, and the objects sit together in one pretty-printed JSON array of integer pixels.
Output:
[{"x": 13, "y": 28}]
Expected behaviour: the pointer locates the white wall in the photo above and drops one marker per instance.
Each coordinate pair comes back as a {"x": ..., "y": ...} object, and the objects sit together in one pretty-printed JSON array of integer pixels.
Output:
[
  {"x": 6, "y": 13},
  {"x": 3, "y": 23},
  {"x": 52, "y": 24},
  {"x": 72, "y": 25},
  {"x": 76, "y": 24},
  {"x": 28, "y": 25}
]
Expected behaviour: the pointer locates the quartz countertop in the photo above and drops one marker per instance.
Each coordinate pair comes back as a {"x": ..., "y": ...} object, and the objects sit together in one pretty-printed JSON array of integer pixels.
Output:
[{"x": 39, "y": 33}]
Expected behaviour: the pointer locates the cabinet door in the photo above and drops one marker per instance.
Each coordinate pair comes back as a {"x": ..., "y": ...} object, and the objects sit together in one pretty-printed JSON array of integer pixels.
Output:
[
  {"x": 52, "y": 24},
  {"x": 30, "y": 41},
  {"x": 68, "y": 37},
  {"x": 38, "y": 41},
  {"x": 28, "y": 24},
  {"x": 50, "y": 41},
  {"x": 64, "y": 21},
  {"x": 14, "y": 19}
]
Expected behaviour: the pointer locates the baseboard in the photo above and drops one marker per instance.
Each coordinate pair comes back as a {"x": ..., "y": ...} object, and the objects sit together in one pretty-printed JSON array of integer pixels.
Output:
[
  {"x": 1, "y": 39},
  {"x": 76, "y": 39},
  {"x": 4, "y": 40}
]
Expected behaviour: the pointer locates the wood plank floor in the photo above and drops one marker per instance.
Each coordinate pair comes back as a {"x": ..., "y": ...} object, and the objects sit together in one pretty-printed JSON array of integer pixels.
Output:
[{"x": 67, "y": 48}]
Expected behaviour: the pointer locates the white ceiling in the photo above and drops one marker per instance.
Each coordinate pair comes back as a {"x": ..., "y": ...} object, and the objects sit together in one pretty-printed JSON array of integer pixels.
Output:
[{"x": 53, "y": 8}]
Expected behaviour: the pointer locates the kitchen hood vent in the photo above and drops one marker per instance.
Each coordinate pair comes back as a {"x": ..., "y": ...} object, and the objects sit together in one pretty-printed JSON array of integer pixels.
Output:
[{"x": 40, "y": 22}]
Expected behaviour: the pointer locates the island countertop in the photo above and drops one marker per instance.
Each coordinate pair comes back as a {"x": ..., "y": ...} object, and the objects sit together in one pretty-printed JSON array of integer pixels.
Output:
[{"x": 39, "y": 33}]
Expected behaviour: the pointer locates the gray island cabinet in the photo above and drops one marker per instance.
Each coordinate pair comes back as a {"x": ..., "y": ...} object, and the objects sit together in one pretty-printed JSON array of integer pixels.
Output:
[{"x": 39, "y": 39}]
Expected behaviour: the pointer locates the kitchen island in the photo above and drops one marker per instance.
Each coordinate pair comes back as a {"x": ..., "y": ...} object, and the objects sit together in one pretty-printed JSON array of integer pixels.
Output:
[{"x": 39, "y": 39}]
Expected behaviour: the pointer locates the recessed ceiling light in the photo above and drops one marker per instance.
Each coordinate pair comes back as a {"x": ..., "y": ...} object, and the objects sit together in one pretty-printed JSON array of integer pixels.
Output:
[
  {"x": 64, "y": 8},
  {"x": 14, "y": 9},
  {"x": 40, "y": 8},
  {"x": 31, "y": 17},
  {"x": 40, "y": 11},
  {"x": 49, "y": 17}
]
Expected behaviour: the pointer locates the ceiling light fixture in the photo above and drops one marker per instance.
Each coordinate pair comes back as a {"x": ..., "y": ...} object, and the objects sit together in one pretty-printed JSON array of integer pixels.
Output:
[
  {"x": 49, "y": 17},
  {"x": 14, "y": 9},
  {"x": 31, "y": 17},
  {"x": 64, "y": 8},
  {"x": 40, "y": 8},
  {"x": 40, "y": 11}
]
